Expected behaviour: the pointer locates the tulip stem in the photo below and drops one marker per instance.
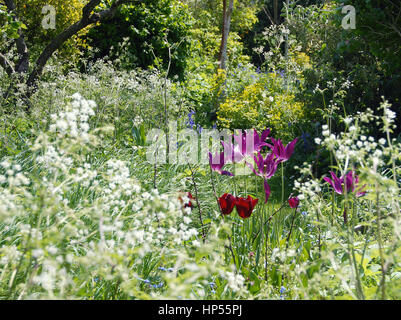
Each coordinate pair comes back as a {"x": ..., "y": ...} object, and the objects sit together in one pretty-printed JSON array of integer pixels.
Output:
[
  {"x": 214, "y": 191},
  {"x": 292, "y": 225},
  {"x": 197, "y": 203},
  {"x": 268, "y": 219},
  {"x": 266, "y": 254},
  {"x": 232, "y": 253},
  {"x": 282, "y": 182}
]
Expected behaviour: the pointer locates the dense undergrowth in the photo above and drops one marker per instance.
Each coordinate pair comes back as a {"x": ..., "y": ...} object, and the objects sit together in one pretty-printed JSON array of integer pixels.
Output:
[{"x": 310, "y": 211}]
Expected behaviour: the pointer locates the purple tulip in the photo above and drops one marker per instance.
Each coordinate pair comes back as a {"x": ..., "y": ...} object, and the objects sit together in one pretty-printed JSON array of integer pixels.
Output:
[
  {"x": 259, "y": 141},
  {"x": 350, "y": 180},
  {"x": 234, "y": 153},
  {"x": 283, "y": 153},
  {"x": 242, "y": 148},
  {"x": 265, "y": 168},
  {"x": 217, "y": 163}
]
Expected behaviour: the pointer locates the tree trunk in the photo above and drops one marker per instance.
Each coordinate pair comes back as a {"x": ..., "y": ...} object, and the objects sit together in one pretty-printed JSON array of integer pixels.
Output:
[
  {"x": 275, "y": 5},
  {"x": 225, "y": 32}
]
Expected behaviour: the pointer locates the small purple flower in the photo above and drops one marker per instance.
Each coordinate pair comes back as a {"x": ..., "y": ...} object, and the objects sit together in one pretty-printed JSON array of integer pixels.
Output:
[
  {"x": 350, "y": 181},
  {"x": 346, "y": 184},
  {"x": 191, "y": 122}
]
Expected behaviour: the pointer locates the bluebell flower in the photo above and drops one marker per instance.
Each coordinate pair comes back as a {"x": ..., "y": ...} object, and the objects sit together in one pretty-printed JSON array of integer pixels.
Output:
[
  {"x": 170, "y": 269},
  {"x": 304, "y": 213},
  {"x": 146, "y": 281},
  {"x": 282, "y": 289},
  {"x": 162, "y": 268},
  {"x": 191, "y": 122}
]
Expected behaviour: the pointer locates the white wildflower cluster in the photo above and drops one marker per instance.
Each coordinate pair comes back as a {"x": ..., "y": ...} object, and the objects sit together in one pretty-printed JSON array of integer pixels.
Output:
[
  {"x": 166, "y": 220},
  {"x": 119, "y": 186},
  {"x": 12, "y": 175},
  {"x": 85, "y": 175},
  {"x": 352, "y": 145},
  {"x": 53, "y": 277},
  {"x": 73, "y": 121},
  {"x": 9, "y": 205},
  {"x": 70, "y": 213},
  {"x": 234, "y": 281},
  {"x": 53, "y": 159}
]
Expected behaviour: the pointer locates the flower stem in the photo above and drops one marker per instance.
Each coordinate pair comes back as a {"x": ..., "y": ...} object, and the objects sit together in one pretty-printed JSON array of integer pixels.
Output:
[
  {"x": 292, "y": 225},
  {"x": 197, "y": 203},
  {"x": 379, "y": 240},
  {"x": 282, "y": 182},
  {"x": 214, "y": 191}
]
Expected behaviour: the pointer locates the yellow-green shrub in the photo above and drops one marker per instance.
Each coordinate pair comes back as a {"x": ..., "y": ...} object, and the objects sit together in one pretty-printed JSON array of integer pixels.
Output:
[{"x": 264, "y": 103}]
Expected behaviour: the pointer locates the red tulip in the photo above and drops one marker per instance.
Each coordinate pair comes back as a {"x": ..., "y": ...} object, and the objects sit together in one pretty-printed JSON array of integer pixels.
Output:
[
  {"x": 227, "y": 203},
  {"x": 245, "y": 206},
  {"x": 293, "y": 202}
]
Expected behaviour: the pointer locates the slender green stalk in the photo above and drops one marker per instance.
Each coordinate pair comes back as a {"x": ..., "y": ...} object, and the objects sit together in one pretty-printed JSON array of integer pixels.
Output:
[
  {"x": 197, "y": 203},
  {"x": 267, "y": 221},
  {"x": 379, "y": 240},
  {"x": 282, "y": 182},
  {"x": 292, "y": 226},
  {"x": 214, "y": 191}
]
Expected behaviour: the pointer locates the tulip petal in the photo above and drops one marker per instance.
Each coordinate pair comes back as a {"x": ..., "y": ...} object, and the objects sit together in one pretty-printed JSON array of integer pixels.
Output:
[{"x": 267, "y": 190}]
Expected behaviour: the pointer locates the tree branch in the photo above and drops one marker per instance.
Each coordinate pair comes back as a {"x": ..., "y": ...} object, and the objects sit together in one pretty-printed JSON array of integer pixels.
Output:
[
  {"x": 22, "y": 49},
  {"x": 87, "y": 19}
]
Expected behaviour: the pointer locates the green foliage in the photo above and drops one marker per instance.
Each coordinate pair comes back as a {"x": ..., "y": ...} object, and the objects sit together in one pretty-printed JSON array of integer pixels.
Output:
[
  {"x": 378, "y": 30},
  {"x": 8, "y": 26},
  {"x": 263, "y": 103},
  {"x": 84, "y": 215},
  {"x": 67, "y": 13},
  {"x": 147, "y": 29},
  {"x": 203, "y": 80}
]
